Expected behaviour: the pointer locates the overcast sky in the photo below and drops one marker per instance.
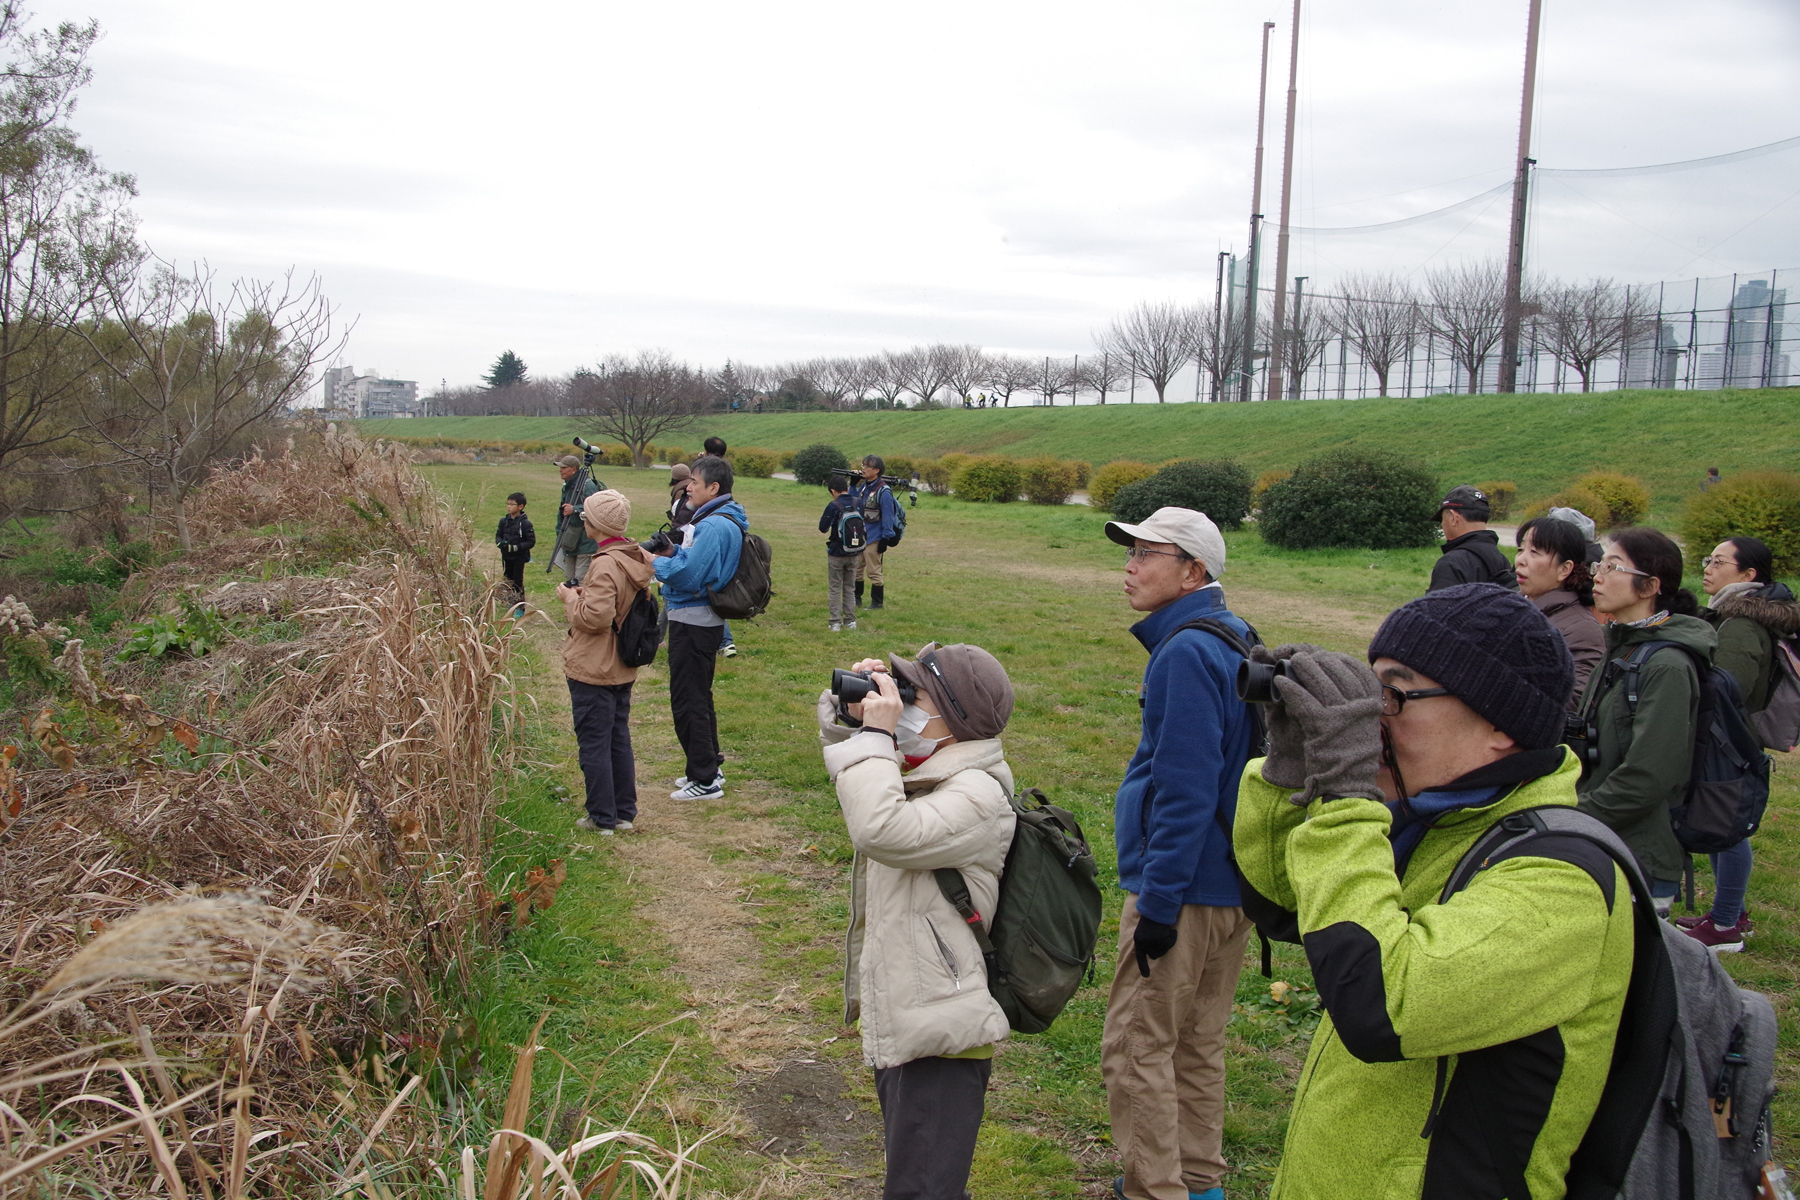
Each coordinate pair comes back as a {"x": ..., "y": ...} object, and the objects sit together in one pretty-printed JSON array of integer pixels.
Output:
[{"x": 791, "y": 178}]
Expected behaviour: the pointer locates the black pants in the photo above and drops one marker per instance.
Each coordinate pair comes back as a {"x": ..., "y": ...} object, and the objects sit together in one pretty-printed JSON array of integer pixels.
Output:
[
  {"x": 930, "y": 1113},
  {"x": 603, "y": 736},
  {"x": 515, "y": 575},
  {"x": 693, "y": 653}
]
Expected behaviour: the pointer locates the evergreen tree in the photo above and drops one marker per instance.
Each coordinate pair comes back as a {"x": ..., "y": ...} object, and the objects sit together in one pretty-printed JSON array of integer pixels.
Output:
[{"x": 508, "y": 369}]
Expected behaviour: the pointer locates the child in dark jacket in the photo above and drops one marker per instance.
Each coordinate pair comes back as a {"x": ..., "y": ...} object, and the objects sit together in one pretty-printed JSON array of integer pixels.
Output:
[
  {"x": 515, "y": 537},
  {"x": 840, "y": 560}
]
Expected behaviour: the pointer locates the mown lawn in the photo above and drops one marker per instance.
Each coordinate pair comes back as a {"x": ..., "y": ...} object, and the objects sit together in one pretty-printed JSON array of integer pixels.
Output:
[{"x": 1040, "y": 587}]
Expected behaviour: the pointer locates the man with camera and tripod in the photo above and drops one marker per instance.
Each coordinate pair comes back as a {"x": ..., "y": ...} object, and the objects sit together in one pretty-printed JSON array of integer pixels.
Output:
[
  {"x": 882, "y": 519},
  {"x": 1182, "y": 932},
  {"x": 574, "y": 548}
]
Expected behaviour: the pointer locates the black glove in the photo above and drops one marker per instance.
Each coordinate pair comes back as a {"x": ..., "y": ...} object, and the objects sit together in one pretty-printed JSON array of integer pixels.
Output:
[
  {"x": 1153, "y": 939},
  {"x": 1285, "y": 766},
  {"x": 1335, "y": 700}
]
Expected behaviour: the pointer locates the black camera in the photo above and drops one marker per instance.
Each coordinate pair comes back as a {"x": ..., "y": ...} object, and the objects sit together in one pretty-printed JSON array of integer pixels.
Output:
[
  {"x": 1256, "y": 680},
  {"x": 852, "y": 687},
  {"x": 658, "y": 542}
]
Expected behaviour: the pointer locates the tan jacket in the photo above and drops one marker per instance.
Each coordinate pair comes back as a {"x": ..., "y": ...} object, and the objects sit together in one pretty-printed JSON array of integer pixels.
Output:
[
  {"x": 591, "y": 651},
  {"x": 913, "y": 973}
]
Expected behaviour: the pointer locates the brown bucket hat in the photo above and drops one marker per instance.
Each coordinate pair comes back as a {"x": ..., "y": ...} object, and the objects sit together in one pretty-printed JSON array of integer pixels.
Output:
[{"x": 968, "y": 685}]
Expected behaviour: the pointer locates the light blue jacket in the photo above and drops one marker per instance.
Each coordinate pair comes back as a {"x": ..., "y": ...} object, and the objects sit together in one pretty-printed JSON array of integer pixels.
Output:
[{"x": 710, "y": 560}]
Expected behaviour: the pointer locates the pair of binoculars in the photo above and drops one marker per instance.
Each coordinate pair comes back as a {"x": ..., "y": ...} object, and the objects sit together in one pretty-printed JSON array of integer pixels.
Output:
[{"x": 1256, "y": 681}]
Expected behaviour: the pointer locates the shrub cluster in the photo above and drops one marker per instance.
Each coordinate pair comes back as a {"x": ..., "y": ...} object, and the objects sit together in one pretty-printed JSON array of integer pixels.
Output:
[
  {"x": 1759, "y": 504},
  {"x": 1264, "y": 482},
  {"x": 752, "y": 462},
  {"x": 936, "y": 475},
  {"x": 1107, "y": 481},
  {"x": 1049, "y": 480},
  {"x": 1220, "y": 489},
  {"x": 671, "y": 454},
  {"x": 1357, "y": 498},
  {"x": 1501, "y": 494},
  {"x": 1611, "y": 499},
  {"x": 989, "y": 478},
  {"x": 814, "y": 464}
]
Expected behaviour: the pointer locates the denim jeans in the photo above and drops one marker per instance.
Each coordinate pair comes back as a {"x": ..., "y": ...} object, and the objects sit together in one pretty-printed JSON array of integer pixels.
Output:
[{"x": 1731, "y": 879}]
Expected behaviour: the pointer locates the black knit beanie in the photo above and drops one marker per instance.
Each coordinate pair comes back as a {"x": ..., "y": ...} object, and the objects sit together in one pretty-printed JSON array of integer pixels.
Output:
[{"x": 1493, "y": 650}]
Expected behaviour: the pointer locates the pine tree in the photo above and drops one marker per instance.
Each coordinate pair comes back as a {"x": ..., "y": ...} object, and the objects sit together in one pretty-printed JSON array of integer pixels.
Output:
[{"x": 508, "y": 369}]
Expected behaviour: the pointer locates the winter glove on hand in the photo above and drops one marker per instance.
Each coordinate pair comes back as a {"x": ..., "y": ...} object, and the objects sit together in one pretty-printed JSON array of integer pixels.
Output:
[
  {"x": 1152, "y": 939},
  {"x": 1335, "y": 700},
  {"x": 1285, "y": 766}
]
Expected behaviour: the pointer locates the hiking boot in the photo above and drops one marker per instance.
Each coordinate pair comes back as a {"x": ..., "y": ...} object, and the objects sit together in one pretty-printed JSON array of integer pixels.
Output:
[
  {"x": 729, "y": 649},
  {"x": 698, "y": 791},
  {"x": 684, "y": 780},
  {"x": 1726, "y": 941},
  {"x": 877, "y": 594}
]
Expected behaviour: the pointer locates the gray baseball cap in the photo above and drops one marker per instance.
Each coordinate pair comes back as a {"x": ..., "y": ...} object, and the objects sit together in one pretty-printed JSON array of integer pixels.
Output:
[
  {"x": 1193, "y": 531},
  {"x": 568, "y": 460}
]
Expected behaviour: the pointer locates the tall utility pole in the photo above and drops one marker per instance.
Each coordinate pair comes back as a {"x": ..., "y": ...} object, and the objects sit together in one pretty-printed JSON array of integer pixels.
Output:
[
  {"x": 1287, "y": 194},
  {"x": 1299, "y": 373},
  {"x": 1219, "y": 326},
  {"x": 1515, "y": 248},
  {"x": 1262, "y": 101}
]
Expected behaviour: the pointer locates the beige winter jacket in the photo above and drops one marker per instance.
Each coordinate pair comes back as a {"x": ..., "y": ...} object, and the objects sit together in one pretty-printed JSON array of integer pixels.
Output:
[
  {"x": 613, "y": 580},
  {"x": 913, "y": 973}
]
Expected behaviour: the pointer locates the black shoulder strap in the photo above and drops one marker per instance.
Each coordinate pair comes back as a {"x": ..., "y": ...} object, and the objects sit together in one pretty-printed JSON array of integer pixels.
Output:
[{"x": 1218, "y": 629}]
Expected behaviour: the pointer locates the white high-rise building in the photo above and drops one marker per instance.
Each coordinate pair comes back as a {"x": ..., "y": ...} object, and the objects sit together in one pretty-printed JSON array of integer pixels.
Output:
[{"x": 366, "y": 396}]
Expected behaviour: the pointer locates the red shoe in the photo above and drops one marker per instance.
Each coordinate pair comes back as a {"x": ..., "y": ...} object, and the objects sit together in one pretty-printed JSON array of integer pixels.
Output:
[
  {"x": 1745, "y": 925},
  {"x": 1726, "y": 941}
]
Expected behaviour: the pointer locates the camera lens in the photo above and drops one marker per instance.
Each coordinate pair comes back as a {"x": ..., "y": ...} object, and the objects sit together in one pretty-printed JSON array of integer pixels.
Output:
[{"x": 1256, "y": 681}]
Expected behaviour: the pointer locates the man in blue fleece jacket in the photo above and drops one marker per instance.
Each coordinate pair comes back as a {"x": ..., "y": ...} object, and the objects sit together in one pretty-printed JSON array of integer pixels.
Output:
[
  {"x": 706, "y": 558},
  {"x": 1182, "y": 932}
]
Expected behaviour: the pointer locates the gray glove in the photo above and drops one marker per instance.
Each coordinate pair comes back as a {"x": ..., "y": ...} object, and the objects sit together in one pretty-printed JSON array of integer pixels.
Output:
[
  {"x": 1336, "y": 702},
  {"x": 1285, "y": 766}
]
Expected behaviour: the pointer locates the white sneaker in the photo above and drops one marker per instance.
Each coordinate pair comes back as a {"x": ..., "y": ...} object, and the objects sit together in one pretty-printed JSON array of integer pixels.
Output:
[
  {"x": 849, "y": 624},
  {"x": 698, "y": 791},
  {"x": 729, "y": 649},
  {"x": 684, "y": 780},
  {"x": 587, "y": 824},
  {"x": 625, "y": 827},
  {"x": 834, "y": 626}
]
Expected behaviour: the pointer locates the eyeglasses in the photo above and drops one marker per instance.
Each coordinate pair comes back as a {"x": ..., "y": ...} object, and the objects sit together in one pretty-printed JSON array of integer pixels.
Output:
[
  {"x": 1140, "y": 553},
  {"x": 1607, "y": 568},
  {"x": 1393, "y": 699},
  {"x": 1719, "y": 560}
]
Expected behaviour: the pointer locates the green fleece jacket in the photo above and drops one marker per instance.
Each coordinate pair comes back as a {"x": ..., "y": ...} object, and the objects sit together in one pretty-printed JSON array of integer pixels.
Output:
[
  {"x": 1645, "y": 760},
  {"x": 1513, "y": 988}
]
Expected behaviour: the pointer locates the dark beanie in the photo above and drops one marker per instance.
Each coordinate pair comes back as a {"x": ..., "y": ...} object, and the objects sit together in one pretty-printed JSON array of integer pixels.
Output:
[{"x": 1493, "y": 650}]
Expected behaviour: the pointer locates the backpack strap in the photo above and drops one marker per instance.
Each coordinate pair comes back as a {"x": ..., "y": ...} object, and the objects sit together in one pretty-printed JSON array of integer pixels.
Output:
[
  {"x": 1218, "y": 629},
  {"x": 956, "y": 890}
]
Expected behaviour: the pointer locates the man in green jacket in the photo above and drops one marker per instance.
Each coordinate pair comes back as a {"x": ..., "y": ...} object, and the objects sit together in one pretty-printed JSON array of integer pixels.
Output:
[
  {"x": 574, "y": 545},
  {"x": 1468, "y": 1040}
]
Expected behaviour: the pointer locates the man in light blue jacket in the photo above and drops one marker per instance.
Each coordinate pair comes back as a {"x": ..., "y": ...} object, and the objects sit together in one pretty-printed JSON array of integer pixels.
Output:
[{"x": 705, "y": 561}]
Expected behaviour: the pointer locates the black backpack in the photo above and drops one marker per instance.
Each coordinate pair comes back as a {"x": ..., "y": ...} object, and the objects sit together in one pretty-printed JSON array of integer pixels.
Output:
[
  {"x": 1040, "y": 941},
  {"x": 639, "y": 630},
  {"x": 1728, "y": 787},
  {"x": 750, "y": 587}
]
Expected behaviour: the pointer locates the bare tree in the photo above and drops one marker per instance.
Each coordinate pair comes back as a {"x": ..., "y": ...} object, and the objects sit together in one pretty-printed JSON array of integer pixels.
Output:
[
  {"x": 924, "y": 370},
  {"x": 965, "y": 369},
  {"x": 1218, "y": 348},
  {"x": 1057, "y": 377},
  {"x": 1302, "y": 342},
  {"x": 188, "y": 367},
  {"x": 885, "y": 378},
  {"x": 1157, "y": 339},
  {"x": 1102, "y": 373},
  {"x": 1467, "y": 314},
  {"x": 639, "y": 399},
  {"x": 1379, "y": 316},
  {"x": 1008, "y": 373},
  {"x": 1583, "y": 323}
]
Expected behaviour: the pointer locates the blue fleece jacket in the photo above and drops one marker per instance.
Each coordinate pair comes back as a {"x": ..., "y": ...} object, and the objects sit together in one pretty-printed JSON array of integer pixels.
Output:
[
  {"x": 890, "y": 509},
  {"x": 1195, "y": 743},
  {"x": 712, "y": 558}
]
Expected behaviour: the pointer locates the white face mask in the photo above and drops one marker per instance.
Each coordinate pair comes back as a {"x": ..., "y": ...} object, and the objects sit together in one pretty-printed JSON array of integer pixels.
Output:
[{"x": 909, "y": 733}]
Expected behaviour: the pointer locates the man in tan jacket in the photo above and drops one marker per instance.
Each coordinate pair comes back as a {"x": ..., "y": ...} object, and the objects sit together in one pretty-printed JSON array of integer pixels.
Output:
[
  {"x": 600, "y": 684},
  {"x": 914, "y": 974}
]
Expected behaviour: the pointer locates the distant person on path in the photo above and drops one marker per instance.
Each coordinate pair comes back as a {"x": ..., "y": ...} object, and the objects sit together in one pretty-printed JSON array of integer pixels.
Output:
[
  {"x": 1748, "y": 610},
  {"x": 706, "y": 558},
  {"x": 599, "y": 683},
  {"x": 1182, "y": 931},
  {"x": 841, "y": 559},
  {"x": 924, "y": 787},
  {"x": 1471, "y": 552},
  {"x": 1711, "y": 480},
  {"x": 1553, "y": 574},
  {"x": 515, "y": 537},
  {"x": 574, "y": 547},
  {"x": 881, "y": 514}
]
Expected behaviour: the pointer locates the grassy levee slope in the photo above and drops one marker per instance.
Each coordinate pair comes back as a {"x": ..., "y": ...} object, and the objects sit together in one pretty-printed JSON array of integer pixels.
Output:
[{"x": 1540, "y": 442}]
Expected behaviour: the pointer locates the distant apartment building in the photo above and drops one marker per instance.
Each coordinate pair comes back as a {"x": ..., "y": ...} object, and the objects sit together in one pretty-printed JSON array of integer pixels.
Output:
[{"x": 368, "y": 396}]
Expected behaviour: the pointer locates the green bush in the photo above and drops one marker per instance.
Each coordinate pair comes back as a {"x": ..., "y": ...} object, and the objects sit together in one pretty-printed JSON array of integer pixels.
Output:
[
  {"x": 1264, "y": 482},
  {"x": 1626, "y": 499},
  {"x": 196, "y": 631},
  {"x": 1361, "y": 498},
  {"x": 1501, "y": 494},
  {"x": 988, "y": 478},
  {"x": 787, "y": 459},
  {"x": 1048, "y": 480},
  {"x": 901, "y": 466},
  {"x": 1220, "y": 489},
  {"x": 752, "y": 462},
  {"x": 813, "y": 465},
  {"x": 1759, "y": 504},
  {"x": 955, "y": 461},
  {"x": 1107, "y": 481},
  {"x": 672, "y": 454},
  {"x": 935, "y": 474}
]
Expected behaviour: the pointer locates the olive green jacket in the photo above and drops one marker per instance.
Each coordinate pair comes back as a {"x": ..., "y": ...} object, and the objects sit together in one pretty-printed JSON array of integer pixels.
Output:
[
  {"x": 1645, "y": 760},
  {"x": 1515, "y": 986},
  {"x": 1747, "y": 623}
]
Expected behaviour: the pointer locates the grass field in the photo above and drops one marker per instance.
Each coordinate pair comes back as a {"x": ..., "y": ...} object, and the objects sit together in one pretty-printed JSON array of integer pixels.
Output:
[
  {"x": 1540, "y": 442},
  {"x": 734, "y": 910}
]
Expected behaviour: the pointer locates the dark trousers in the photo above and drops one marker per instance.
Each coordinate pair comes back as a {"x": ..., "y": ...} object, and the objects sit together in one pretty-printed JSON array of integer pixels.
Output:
[
  {"x": 693, "y": 653},
  {"x": 930, "y": 1113},
  {"x": 603, "y": 736},
  {"x": 515, "y": 575}
]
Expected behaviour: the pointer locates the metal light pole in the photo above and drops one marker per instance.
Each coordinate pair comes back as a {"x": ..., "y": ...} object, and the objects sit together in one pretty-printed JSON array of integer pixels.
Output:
[
  {"x": 1262, "y": 103},
  {"x": 1219, "y": 325},
  {"x": 1299, "y": 371},
  {"x": 1287, "y": 193},
  {"x": 1515, "y": 249}
]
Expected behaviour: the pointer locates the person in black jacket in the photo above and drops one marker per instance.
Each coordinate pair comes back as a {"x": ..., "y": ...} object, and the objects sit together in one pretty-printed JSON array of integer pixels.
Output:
[
  {"x": 840, "y": 560},
  {"x": 515, "y": 537},
  {"x": 1471, "y": 551}
]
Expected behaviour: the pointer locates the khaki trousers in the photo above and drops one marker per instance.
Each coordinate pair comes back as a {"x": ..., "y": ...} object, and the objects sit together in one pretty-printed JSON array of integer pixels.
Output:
[
  {"x": 868, "y": 567},
  {"x": 1163, "y": 1052}
]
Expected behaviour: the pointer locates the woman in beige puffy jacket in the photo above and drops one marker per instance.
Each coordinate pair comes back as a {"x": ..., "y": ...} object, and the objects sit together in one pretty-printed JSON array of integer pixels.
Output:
[{"x": 924, "y": 786}]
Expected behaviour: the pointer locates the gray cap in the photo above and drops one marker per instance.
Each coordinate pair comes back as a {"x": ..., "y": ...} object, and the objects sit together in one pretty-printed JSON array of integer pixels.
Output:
[
  {"x": 968, "y": 685},
  {"x": 1575, "y": 517},
  {"x": 1471, "y": 502},
  {"x": 1193, "y": 531},
  {"x": 568, "y": 460}
]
